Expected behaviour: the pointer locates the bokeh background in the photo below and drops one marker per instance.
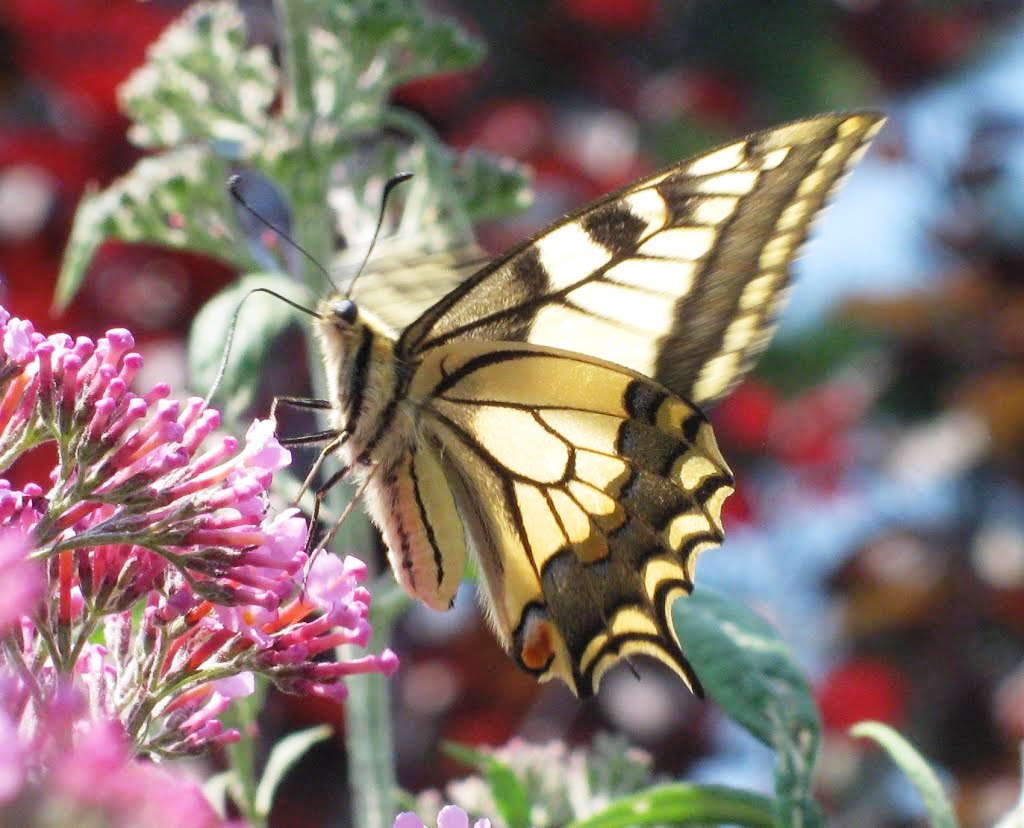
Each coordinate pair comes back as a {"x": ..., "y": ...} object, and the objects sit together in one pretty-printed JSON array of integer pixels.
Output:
[{"x": 879, "y": 447}]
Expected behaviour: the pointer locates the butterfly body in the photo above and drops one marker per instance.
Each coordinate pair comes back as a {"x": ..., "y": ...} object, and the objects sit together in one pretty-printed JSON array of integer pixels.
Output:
[{"x": 544, "y": 415}]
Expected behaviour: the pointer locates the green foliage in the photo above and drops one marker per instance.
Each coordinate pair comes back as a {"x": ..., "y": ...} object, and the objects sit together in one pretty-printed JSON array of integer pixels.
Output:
[
  {"x": 283, "y": 757},
  {"x": 548, "y": 785},
  {"x": 396, "y": 32},
  {"x": 915, "y": 766},
  {"x": 490, "y": 188},
  {"x": 511, "y": 798},
  {"x": 205, "y": 101},
  {"x": 201, "y": 83},
  {"x": 747, "y": 669},
  {"x": 177, "y": 200},
  {"x": 684, "y": 804}
]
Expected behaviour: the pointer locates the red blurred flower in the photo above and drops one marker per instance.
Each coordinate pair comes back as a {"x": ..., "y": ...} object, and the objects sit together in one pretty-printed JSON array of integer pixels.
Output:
[
  {"x": 60, "y": 44},
  {"x": 862, "y": 689},
  {"x": 627, "y": 16}
]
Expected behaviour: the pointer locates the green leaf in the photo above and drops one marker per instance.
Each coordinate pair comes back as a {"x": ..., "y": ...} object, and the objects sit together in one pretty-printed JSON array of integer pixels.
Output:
[
  {"x": 356, "y": 52},
  {"x": 201, "y": 83},
  {"x": 415, "y": 42},
  {"x": 510, "y": 797},
  {"x": 178, "y": 199},
  {"x": 261, "y": 320},
  {"x": 283, "y": 757},
  {"x": 747, "y": 669},
  {"x": 917, "y": 769},
  {"x": 434, "y": 45},
  {"x": 684, "y": 804}
]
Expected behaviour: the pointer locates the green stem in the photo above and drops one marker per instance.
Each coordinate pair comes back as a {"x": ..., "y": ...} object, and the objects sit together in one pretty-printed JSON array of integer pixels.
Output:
[
  {"x": 16, "y": 659},
  {"x": 294, "y": 17},
  {"x": 88, "y": 628},
  {"x": 243, "y": 757},
  {"x": 367, "y": 711},
  {"x": 306, "y": 187},
  {"x": 368, "y": 738}
]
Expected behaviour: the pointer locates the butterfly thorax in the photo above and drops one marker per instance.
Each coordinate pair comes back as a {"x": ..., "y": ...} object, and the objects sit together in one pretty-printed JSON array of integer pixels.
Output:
[{"x": 365, "y": 384}]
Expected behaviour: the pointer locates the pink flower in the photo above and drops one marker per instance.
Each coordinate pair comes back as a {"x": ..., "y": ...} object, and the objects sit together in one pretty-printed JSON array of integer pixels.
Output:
[
  {"x": 450, "y": 816},
  {"x": 145, "y": 470},
  {"x": 21, "y": 580},
  {"x": 97, "y": 782},
  {"x": 156, "y": 531}
]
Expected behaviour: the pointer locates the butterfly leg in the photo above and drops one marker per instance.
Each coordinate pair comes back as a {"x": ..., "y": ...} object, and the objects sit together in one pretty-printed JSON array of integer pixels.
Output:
[
  {"x": 331, "y": 436},
  {"x": 335, "y": 478},
  {"x": 304, "y": 403},
  {"x": 307, "y": 403},
  {"x": 347, "y": 510},
  {"x": 321, "y": 493},
  {"x": 339, "y": 438}
]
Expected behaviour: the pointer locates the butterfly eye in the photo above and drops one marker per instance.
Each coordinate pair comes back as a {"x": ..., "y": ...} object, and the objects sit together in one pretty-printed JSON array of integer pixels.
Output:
[{"x": 345, "y": 310}]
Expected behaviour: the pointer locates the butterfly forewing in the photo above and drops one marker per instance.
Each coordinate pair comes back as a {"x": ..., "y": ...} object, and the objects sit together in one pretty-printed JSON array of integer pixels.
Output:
[
  {"x": 679, "y": 276},
  {"x": 401, "y": 284}
]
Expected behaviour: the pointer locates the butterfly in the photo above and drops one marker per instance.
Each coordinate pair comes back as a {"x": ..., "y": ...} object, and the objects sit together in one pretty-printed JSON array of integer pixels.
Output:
[{"x": 546, "y": 415}]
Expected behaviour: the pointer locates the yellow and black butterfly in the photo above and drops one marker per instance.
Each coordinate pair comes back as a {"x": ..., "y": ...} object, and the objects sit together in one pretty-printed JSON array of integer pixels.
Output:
[{"x": 546, "y": 413}]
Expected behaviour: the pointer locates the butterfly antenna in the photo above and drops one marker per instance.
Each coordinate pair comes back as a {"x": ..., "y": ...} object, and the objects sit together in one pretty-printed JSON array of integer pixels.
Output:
[
  {"x": 394, "y": 181},
  {"x": 235, "y": 188},
  {"x": 231, "y": 334}
]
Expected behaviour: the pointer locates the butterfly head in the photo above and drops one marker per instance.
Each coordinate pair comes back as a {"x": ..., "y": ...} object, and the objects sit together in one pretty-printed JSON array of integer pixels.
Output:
[
  {"x": 340, "y": 328},
  {"x": 343, "y": 312},
  {"x": 354, "y": 344},
  {"x": 340, "y": 319}
]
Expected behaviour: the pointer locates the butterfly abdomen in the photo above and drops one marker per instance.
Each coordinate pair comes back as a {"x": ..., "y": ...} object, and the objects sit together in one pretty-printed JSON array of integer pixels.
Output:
[{"x": 406, "y": 495}]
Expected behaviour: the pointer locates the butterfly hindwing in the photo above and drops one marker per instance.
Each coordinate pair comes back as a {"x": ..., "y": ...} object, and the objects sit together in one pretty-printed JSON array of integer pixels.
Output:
[
  {"x": 421, "y": 526},
  {"x": 678, "y": 277},
  {"x": 587, "y": 492}
]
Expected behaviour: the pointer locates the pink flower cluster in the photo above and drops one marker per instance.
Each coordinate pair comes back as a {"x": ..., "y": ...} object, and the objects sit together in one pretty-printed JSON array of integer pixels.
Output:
[
  {"x": 450, "y": 816},
  {"x": 96, "y": 781},
  {"x": 138, "y": 486},
  {"x": 147, "y": 579}
]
